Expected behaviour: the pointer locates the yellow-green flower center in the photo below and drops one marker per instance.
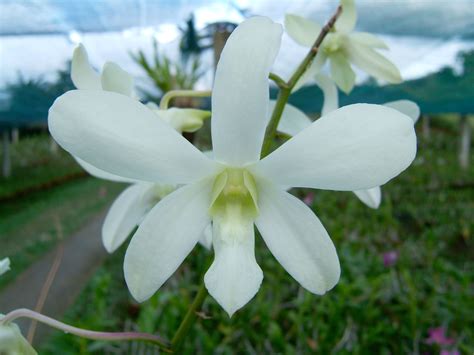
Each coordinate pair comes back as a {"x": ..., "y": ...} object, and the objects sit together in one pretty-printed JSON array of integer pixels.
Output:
[
  {"x": 332, "y": 43},
  {"x": 234, "y": 202}
]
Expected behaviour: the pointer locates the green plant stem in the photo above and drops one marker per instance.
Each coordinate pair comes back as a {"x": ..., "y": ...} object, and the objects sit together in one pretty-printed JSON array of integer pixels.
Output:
[
  {"x": 165, "y": 100},
  {"x": 281, "y": 83},
  {"x": 83, "y": 333},
  {"x": 178, "y": 338},
  {"x": 287, "y": 87}
]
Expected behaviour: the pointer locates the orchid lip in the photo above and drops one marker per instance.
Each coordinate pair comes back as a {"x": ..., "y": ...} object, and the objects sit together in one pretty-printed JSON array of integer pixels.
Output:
[{"x": 234, "y": 188}]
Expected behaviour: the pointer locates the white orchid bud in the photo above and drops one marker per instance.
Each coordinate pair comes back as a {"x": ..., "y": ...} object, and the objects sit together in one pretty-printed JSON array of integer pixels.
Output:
[
  {"x": 12, "y": 341},
  {"x": 4, "y": 265},
  {"x": 183, "y": 119}
]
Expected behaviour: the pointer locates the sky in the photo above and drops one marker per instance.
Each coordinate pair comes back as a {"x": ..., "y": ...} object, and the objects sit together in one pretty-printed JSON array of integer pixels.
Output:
[{"x": 38, "y": 36}]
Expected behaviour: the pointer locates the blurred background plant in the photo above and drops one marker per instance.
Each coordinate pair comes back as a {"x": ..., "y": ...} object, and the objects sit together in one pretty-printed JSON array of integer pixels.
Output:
[{"x": 169, "y": 75}]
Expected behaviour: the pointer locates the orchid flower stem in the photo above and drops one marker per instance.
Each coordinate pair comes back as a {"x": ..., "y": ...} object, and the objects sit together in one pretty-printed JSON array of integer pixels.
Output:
[
  {"x": 183, "y": 329},
  {"x": 83, "y": 333},
  {"x": 278, "y": 80},
  {"x": 285, "y": 90},
  {"x": 166, "y": 99}
]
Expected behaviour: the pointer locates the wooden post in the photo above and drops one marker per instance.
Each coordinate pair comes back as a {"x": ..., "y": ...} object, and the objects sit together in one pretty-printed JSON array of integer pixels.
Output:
[
  {"x": 53, "y": 146},
  {"x": 7, "y": 164},
  {"x": 221, "y": 34},
  {"x": 465, "y": 142},
  {"x": 426, "y": 127},
  {"x": 15, "y": 135}
]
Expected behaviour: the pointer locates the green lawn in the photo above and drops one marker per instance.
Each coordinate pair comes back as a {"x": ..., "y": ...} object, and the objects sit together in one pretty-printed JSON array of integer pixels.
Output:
[{"x": 427, "y": 216}]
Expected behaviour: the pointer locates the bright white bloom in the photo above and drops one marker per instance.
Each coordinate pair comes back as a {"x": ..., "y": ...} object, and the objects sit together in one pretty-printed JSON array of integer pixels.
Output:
[
  {"x": 131, "y": 206},
  {"x": 12, "y": 341},
  {"x": 293, "y": 121},
  {"x": 4, "y": 265},
  {"x": 342, "y": 47},
  {"x": 355, "y": 147}
]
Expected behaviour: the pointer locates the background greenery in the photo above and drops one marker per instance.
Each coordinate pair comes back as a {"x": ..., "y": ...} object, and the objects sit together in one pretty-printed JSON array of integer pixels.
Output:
[
  {"x": 46, "y": 191},
  {"x": 427, "y": 216}
]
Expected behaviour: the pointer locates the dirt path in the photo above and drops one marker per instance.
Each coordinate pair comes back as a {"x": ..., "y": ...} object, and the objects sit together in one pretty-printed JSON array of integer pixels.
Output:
[{"x": 83, "y": 254}]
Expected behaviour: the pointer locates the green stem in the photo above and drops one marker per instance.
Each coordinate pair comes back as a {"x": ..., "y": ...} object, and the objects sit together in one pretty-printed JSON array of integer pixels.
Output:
[
  {"x": 281, "y": 83},
  {"x": 178, "y": 338},
  {"x": 281, "y": 101},
  {"x": 165, "y": 100},
  {"x": 285, "y": 90},
  {"x": 84, "y": 333}
]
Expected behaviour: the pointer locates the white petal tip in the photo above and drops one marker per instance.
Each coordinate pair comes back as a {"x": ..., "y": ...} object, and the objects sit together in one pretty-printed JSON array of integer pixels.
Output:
[
  {"x": 135, "y": 290},
  {"x": 232, "y": 300},
  {"x": 109, "y": 248},
  {"x": 136, "y": 284}
]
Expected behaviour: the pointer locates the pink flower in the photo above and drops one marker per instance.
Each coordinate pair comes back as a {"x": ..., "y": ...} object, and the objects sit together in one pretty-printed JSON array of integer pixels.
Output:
[
  {"x": 390, "y": 258},
  {"x": 309, "y": 198},
  {"x": 438, "y": 336}
]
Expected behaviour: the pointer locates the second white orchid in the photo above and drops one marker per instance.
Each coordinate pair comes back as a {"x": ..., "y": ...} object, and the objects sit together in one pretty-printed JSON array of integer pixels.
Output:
[{"x": 342, "y": 47}]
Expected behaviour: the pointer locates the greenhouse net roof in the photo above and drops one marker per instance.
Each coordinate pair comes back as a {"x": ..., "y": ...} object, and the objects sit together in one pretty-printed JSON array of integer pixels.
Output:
[{"x": 37, "y": 36}]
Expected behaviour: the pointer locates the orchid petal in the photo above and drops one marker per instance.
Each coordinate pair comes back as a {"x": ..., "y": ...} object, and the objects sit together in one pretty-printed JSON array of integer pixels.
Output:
[
  {"x": 297, "y": 239},
  {"x": 342, "y": 73},
  {"x": 83, "y": 75},
  {"x": 371, "y": 197},
  {"x": 406, "y": 107},
  {"x": 331, "y": 97},
  {"x": 116, "y": 79},
  {"x": 303, "y": 31},
  {"x": 166, "y": 236},
  {"x": 120, "y": 135},
  {"x": 352, "y": 148},
  {"x": 102, "y": 174},
  {"x": 206, "y": 237},
  {"x": 126, "y": 213},
  {"x": 234, "y": 277},
  {"x": 292, "y": 121},
  {"x": 241, "y": 91},
  {"x": 368, "y": 39},
  {"x": 372, "y": 62},
  {"x": 348, "y": 18}
]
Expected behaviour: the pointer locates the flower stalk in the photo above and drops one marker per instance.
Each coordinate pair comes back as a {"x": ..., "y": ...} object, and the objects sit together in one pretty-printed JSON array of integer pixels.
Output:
[
  {"x": 83, "y": 333},
  {"x": 189, "y": 318},
  {"x": 170, "y": 95},
  {"x": 286, "y": 88}
]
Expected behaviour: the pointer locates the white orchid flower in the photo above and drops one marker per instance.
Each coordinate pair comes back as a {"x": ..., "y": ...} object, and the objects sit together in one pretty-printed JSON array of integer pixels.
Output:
[
  {"x": 342, "y": 47},
  {"x": 12, "y": 341},
  {"x": 4, "y": 265},
  {"x": 293, "y": 121},
  {"x": 131, "y": 206},
  {"x": 355, "y": 147}
]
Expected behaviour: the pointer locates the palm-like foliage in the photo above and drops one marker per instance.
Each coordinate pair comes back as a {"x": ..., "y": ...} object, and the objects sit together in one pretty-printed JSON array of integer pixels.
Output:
[{"x": 166, "y": 74}]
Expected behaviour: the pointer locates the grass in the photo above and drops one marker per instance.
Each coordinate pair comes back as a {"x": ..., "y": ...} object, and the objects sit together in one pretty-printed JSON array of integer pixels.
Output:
[
  {"x": 427, "y": 216},
  {"x": 34, "y": 222}
]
